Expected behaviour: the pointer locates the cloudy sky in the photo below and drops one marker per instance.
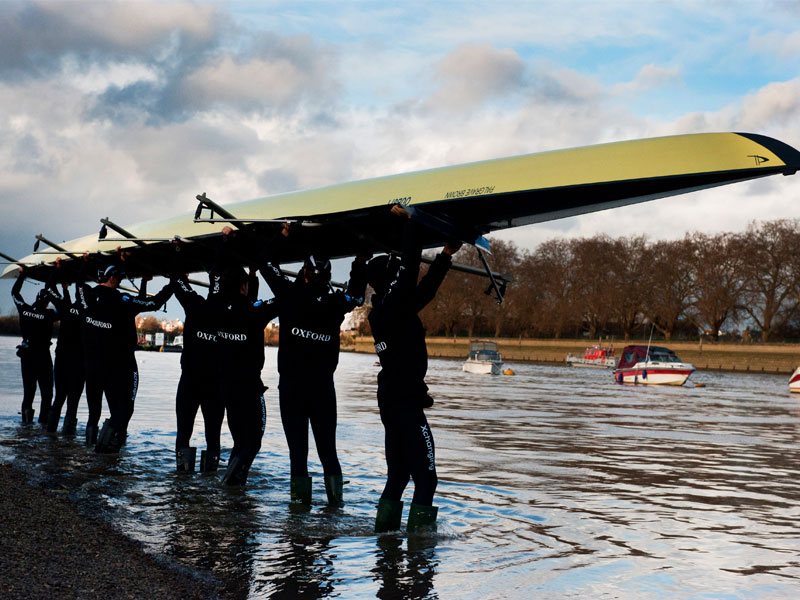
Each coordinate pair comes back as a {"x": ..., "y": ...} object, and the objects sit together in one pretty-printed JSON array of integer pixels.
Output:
[{"x": 129, "y": 109}]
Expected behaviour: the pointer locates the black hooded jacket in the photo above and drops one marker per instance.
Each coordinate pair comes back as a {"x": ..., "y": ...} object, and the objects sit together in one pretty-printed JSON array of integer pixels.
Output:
[
  {"x": 69, "y": 326},
  {"x": 109, "y": 327},
  {"x": 35, "y": 320},
  {"x": 310, "y": 320},
  {"x": 396, "y": 327}
]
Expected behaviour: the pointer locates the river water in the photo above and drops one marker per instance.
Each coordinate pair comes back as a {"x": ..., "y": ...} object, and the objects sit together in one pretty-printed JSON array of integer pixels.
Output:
[{"x": 554, "y": 483}]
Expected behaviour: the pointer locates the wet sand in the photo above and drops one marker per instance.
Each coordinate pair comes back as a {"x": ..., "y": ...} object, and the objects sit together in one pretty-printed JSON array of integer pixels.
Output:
[{"x": 49, "y": 549}]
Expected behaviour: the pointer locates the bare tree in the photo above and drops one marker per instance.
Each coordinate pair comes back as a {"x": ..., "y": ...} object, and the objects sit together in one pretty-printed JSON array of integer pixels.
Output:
[
  {"x": 718, "y": 283},
  {"x": 670, "y": 286},
  {"x": 445, "y": 313},
  {"x": 769, "y": 273},
  {"x": 592, "y": 280},
  {"x": 546, "y": 288},
  {"x": 630, "y": 275}
]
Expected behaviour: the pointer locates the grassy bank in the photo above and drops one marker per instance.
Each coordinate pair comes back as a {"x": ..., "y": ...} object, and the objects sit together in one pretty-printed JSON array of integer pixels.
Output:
[{"x": 754, "y": 357}]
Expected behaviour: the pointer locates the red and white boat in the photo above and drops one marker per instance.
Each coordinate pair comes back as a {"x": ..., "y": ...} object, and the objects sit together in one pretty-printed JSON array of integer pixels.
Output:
[
  {"x": 794, "y": 381},
  {"x": 651, "y": 365},
  {"x": 595, "y": 357}
]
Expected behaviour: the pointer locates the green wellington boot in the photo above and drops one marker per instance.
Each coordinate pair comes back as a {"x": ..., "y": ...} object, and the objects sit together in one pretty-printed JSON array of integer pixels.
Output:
[
  {"x": 421, "y": 518},
  {"x": 389, "y": 514},
  {"x": 333, "y": 487},
  {"x": 300, "y": 492}
]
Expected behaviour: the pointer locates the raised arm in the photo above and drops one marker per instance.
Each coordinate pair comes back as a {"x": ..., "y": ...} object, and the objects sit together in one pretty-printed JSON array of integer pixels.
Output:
[
  {"x": 137, "y": 305},
  {"x": 401, "y": 291},
  {"x": 62, "y": 303},
  {"x": 81, "y": 289},
  {"x": 17, "y": 287},
  {"x": 188, "y": 298},
  {"x": 279, "y": 284},
  {"x": 429, "y": 285},
  {"x": 266, "y": 310},
  {"x": 353, "y": 296}
]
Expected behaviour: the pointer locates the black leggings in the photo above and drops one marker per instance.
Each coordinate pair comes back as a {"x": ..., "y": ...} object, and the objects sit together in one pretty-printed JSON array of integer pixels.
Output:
[
  {"x": 120, "y": 384},
  {"x": 410, "y": 453},
  {"x": 304, "y": 402},
  {"x": 37, "y": 369},
  {"x": 69, "y": 376},
  {"x": 199, "y": 390},
  {"x": 247, "y": 420}
]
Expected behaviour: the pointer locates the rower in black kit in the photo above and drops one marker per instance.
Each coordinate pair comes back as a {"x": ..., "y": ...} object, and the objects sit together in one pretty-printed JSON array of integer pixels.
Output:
[
  {"x": 109, "y": 335},
  {"x": 239, "y": 325},
  {"x": 311, "y": 316},
  {"x": 36, "y": 325},
  {"x": 69, "y": 368},
  {"x": 402, "y": 393},
  {"x": 199, "y": 385}
]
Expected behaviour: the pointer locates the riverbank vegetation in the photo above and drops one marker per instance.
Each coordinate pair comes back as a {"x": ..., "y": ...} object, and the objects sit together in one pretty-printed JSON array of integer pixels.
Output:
[
  {"x": 730, "y": 286},
  {"x": 737, "y": 286}
]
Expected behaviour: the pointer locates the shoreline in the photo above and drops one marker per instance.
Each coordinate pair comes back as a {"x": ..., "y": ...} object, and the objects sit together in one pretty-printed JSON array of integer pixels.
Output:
[
  {"x": 773, "y": 359},
  {"x": 49, "y": 547}
]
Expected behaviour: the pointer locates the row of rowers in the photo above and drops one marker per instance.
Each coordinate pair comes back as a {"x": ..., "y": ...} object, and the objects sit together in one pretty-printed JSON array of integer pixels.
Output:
[{"x": 223, "y": 358}]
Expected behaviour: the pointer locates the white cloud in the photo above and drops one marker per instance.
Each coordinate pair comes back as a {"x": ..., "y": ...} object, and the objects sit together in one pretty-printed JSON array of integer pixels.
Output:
[
  {"x": 784, "y": 45},
  {"x": 35, "y": 37},
  {"x": 649, "y": 77},
  {"x": 278, "y": 80},
  {"x": 472, "y": 73}
]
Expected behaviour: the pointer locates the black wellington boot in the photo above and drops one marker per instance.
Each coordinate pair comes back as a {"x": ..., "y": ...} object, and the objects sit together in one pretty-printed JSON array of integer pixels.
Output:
[
  {"x": 209, "y": 463},
  {"x": 27, "y": 416},
  {"x": 69, "y": 426},
  {"x": 91, "y": 435},
  {"x": 110, "y": 440},
  {"x": 236, "y": 473},
  {"x": 52, "y": 421},
  {"x": 185, "y": 459}
]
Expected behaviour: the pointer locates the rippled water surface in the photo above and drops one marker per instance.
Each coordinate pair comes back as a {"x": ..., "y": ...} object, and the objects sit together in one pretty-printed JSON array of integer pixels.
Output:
[{"x": 554, "y": 483}]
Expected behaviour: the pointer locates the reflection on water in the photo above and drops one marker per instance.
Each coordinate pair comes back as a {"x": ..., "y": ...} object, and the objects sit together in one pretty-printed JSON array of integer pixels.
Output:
[{"x": 554, "y": 483}]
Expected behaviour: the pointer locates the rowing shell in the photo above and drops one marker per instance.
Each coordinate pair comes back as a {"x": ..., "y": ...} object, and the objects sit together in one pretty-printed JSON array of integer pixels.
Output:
[{"x": 476, "y": 198}]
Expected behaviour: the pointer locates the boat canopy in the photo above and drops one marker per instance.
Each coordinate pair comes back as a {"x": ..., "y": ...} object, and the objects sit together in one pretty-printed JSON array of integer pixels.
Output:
[
  {"x": 478, "y": 345},
  {"x": 634, "y": 354},
  {"x": 483, "y": 351}
]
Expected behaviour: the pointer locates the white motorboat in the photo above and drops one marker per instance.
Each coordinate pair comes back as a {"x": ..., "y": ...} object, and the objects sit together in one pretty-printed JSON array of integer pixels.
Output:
[
  {"x": 595, "y": 357},
  {"x": 794, "y": 381},
  {"x": 651, "y": 365},
  {"x": 483, "y": 359}
]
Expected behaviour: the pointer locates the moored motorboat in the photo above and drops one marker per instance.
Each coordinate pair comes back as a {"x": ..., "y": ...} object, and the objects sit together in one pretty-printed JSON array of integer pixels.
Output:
[
  {"x": 651, "y": 365},
  {"x": 794, "y": 381},
  {"x": 483, "y": 358},
  {"x": 595, "y": 357}
]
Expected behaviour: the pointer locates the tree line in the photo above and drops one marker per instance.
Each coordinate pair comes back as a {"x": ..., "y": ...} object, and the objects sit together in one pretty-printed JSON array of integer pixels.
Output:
[
  {"x": 602, "y": 286},
  {"x": 748, "y": 282}
]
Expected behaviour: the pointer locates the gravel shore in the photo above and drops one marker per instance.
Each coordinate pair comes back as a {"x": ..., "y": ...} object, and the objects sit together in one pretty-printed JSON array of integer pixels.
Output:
[{"x": 49, "y": 549}]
